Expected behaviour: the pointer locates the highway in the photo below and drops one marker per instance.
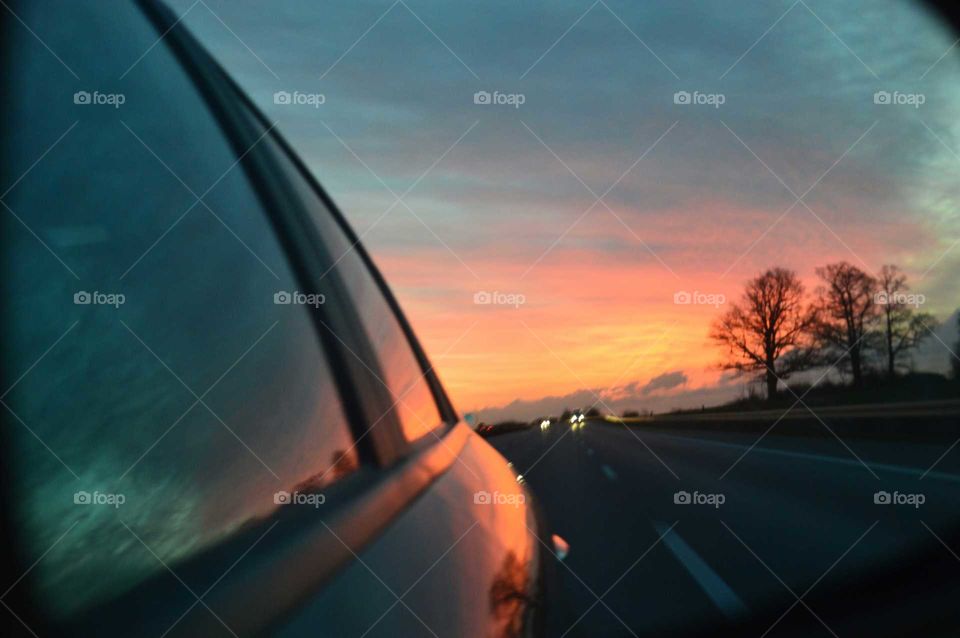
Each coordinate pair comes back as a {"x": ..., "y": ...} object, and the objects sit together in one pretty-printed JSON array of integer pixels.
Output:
[{"x": 766, "y": 521}]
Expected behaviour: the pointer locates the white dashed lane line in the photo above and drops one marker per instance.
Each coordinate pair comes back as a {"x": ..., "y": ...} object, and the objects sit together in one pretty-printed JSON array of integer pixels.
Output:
[
  {"x": 609, "y": 473},
  {"x": 718, "y": 591}
]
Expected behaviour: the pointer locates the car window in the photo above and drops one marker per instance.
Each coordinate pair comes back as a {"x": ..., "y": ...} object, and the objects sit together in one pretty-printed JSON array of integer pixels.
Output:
[
  {"x": 168, "y": 384},
  {"x": 400, "y": 372}
]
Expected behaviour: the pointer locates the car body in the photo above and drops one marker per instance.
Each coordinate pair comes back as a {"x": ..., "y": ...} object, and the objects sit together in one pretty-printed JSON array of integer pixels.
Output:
[{"x": 218, "y": 420}]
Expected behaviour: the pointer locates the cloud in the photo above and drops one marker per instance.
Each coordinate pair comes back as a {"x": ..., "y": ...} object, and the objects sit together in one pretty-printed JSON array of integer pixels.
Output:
[
  {"x": 664, "y": 381},
  {"x": 526, "y": 409},
  {"x": 651, "y": 395}
]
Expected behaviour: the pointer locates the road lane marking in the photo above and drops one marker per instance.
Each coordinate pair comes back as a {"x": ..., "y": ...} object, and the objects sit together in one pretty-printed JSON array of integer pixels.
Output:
[
  {"x": 718, "y": 591},
  {"x": 897, "y": 469},
  {"x": 609, "y": 473}
]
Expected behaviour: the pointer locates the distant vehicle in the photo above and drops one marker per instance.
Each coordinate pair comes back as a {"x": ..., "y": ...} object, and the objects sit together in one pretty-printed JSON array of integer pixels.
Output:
[
  {"x": 545, "y": 424},
  {"x": 577, "y": 420},
  {"x": 230, "y": 400}
]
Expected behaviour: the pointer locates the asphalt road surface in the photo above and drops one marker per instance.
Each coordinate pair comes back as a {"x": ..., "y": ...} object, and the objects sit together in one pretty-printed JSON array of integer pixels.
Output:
[{"x": 764, "y": 523}]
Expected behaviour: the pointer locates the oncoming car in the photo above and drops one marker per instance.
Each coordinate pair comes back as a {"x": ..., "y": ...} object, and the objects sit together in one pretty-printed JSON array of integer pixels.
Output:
[{"x": 577, "y": 420}]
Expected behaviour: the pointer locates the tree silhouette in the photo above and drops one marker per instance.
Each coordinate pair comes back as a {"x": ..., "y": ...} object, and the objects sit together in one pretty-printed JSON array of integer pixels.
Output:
[
  {"x": 767, "y": 331},
  {"x": 846, "y": 310},
  {"x": 903, "y": 328}
]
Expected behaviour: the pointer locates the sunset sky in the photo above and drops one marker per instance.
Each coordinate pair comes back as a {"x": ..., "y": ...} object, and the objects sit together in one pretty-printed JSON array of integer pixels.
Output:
[{"x": 692, "y": 197}]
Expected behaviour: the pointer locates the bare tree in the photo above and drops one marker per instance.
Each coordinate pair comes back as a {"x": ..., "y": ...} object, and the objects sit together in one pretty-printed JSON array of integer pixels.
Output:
[
  {"x": 846, "y": 310},
  {"x": 903, "y": 327},
  {"x": 767, "y": 331}
]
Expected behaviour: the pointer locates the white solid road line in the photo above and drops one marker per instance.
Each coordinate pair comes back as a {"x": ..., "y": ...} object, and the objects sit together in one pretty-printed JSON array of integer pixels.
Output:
[
  {"x": 718, "y": 591},
  {"x": 886, "y": 467}
]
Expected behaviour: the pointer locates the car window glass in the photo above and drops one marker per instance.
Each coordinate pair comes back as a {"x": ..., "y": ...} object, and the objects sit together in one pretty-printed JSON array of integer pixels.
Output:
[{"x": 167, "y": 389}]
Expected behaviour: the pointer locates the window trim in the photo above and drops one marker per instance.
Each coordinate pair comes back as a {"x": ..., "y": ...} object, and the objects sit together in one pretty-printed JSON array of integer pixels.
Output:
[
  {"x": 281, "y": 569},
  {"x": 291, "y": 163},
  {"x": 447, "y": 412},
  {"x": 363, "y": 400}
]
